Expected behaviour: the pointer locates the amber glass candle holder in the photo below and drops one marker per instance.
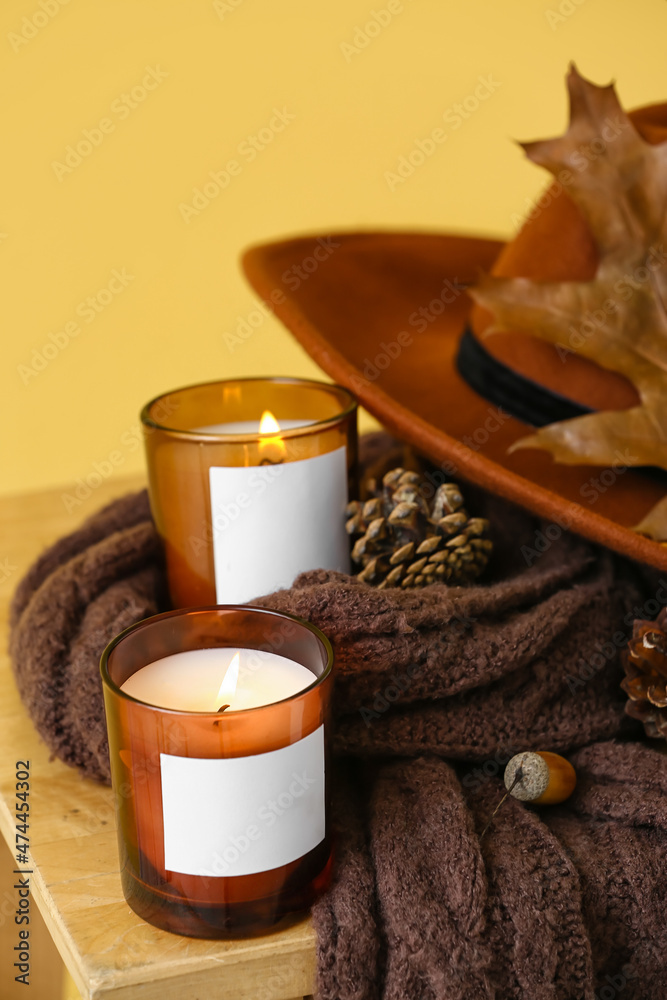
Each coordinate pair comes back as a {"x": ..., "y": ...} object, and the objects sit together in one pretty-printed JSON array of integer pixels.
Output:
[
  {"x": 240, "y": 512},
  {"x": 214, "y": 793}
]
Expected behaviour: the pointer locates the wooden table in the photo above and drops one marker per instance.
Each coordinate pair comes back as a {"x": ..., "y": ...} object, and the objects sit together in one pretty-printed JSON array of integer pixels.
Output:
[{"x": 109, "y": 951}]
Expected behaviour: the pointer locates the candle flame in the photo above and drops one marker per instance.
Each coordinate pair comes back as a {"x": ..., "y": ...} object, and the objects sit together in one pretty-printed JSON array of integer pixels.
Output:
[
  {"x": 268, "y": 424},
  {"x": 229, "y": 681},
  {"x": 271, "y": 448}
]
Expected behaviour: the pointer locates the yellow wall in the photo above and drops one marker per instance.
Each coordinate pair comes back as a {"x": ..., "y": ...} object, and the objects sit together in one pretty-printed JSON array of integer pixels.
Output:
[{"x": 219, "y": 71}]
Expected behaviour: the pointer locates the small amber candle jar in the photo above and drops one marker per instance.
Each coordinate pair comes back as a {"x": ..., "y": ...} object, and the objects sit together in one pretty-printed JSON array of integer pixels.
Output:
[
  {"x": 222, "y": 816},
  {"x": 240, "y": 512}
]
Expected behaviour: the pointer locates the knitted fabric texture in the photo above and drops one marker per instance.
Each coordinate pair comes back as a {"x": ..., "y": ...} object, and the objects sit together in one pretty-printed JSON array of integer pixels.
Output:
[{"x": 436, "y": 689}]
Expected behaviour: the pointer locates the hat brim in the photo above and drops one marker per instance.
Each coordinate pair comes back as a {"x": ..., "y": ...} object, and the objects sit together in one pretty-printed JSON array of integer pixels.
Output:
[{"x": 353, "y": 301}]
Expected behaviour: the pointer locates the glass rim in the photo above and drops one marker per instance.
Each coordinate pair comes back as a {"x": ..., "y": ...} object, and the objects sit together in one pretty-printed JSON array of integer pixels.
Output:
[
  {"x": 108, "y": 681},
  {"x": 245, "y": 436}
]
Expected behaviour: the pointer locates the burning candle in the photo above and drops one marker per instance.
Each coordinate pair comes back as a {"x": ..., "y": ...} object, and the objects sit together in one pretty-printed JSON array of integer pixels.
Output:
[
  {"x": 270, "y": 445},
  {"x": 248, "y": 483},
  {"x": 267, "y": 425},
  {"x": 217, "y": 721},
  {"x": 191, "y": 681},
  {"x": 273, "y": 523}
]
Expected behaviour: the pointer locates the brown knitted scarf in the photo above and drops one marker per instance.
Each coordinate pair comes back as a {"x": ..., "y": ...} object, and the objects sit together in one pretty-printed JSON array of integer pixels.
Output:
[{"x": 436, "y": 689}]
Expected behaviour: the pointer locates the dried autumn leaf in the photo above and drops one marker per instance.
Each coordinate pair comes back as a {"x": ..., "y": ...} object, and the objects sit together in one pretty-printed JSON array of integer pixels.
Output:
[{"x": 621, "y": 190}]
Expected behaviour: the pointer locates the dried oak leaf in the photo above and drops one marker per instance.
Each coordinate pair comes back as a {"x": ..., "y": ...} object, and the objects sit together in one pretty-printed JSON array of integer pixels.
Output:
[{"x": 619, "y": 183}]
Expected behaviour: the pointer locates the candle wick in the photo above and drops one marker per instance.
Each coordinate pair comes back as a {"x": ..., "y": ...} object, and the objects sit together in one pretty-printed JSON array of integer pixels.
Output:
[
  {"x": 268, "y": 461},
  {"x": 223, "y": 707}
]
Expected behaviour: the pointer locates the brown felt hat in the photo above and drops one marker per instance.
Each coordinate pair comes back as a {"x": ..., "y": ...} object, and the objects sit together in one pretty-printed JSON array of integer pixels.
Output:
[{"x": 385, "y": 314}]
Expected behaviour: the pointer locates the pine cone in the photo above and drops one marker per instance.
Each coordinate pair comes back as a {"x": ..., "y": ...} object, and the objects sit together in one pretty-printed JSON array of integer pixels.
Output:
[
  {"x": 402, "y": 541},
  {"x": 645, "y": 664}
]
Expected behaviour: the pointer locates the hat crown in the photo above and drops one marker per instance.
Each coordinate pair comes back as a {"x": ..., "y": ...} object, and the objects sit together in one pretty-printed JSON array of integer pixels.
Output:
[{"x": 556, "y": 244}]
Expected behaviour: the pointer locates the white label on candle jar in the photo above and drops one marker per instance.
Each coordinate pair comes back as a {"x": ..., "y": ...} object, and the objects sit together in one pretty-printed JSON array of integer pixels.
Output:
[
  {"x": 272, "y": 522},
  {"x": 242, "y": 815}
]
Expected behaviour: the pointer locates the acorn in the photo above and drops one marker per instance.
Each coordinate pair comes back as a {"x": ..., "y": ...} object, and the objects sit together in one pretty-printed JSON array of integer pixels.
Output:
[{"x": 540, "y": 777}]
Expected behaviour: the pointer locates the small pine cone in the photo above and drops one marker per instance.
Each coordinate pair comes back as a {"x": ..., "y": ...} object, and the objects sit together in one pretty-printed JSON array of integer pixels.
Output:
[
  {"x": 645, "y": 664},
  {"x": 401, "y": 540}
]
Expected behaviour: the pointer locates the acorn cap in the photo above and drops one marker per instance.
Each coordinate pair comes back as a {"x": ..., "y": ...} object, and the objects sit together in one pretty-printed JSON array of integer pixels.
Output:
[{"x": 535, "y": 776}]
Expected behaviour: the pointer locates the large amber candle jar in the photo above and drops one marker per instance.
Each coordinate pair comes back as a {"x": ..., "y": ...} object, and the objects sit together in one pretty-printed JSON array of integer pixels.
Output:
[
  {"x": 248, "y": 482},
  {"x": 222, "y": 813}
]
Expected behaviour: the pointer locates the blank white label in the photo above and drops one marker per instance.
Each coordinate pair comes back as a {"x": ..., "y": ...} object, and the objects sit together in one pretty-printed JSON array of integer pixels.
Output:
[
  {"x": 242, "y": 815},
  {"x": 272, "y": 522}
]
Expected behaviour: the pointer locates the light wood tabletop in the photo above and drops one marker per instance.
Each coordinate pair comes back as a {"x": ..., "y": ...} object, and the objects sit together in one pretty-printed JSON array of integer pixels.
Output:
[{"x": 109, "y": 951}]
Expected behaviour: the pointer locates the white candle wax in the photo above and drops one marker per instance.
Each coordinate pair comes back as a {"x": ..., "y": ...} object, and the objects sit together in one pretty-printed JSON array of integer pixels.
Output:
[
  {"x": 191, "y": 681},
  {"x": 250, "y": 427}
]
